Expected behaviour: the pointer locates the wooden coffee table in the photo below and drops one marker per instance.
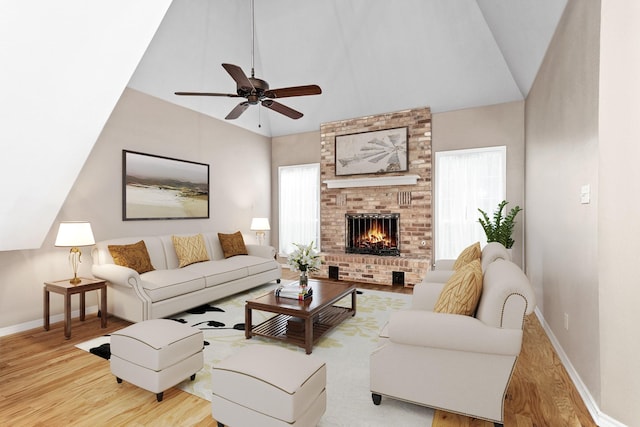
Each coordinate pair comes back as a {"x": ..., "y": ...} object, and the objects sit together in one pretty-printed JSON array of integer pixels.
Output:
[{"x": 302, "y": 322}]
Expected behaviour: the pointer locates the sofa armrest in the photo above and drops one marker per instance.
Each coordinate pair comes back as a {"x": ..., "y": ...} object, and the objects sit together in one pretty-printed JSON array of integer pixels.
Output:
[
  {"x": 263, "y": 251},
  {"x": 452, "y": 332},
  {"x": 116, "y": 274}
]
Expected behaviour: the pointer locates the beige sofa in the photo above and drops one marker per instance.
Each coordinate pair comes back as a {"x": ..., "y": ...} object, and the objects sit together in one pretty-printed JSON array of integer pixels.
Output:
[
  {"x": 458, "y": 363},
  {"x": 169, "y": 289}
]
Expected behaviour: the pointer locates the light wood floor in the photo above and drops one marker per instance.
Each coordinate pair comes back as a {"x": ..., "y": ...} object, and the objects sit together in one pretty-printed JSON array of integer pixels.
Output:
[{"x": 45, "y": 380}]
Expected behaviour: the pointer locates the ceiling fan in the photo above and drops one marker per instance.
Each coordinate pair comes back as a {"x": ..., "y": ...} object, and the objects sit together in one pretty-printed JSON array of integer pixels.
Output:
[{"x": 256, "y": 90}]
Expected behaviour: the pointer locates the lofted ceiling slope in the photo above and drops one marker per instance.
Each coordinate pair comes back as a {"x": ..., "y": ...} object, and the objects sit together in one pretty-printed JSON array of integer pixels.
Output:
[
  {"x": 368, "y": 56},
  {"x": 64, "y": 67}
]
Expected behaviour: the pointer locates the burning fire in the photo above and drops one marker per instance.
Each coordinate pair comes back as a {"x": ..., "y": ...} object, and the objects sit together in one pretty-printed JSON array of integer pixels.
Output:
[
  {"x": 372, "y": 234},
  {"x": 376, "y": 235}
]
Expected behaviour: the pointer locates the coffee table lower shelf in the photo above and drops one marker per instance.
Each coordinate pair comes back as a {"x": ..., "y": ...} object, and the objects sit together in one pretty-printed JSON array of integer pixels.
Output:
[{"x": 276, "y": 327}]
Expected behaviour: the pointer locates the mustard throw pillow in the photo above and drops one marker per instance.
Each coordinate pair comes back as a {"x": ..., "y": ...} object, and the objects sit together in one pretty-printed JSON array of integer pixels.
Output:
[
  {"x": 469, "y": 254},
  {"x": 462, "y": 291},
  {"x": 232, "y": 244},
  {"x": 190, "y": 249},
  {"x": 134, "y": 256}
]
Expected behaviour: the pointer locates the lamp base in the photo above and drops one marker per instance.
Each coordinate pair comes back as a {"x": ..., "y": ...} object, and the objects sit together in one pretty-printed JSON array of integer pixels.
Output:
[{"x": 75, "y": 280}]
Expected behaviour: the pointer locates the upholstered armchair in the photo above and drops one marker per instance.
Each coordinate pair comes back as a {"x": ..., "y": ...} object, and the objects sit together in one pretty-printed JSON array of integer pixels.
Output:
[{"x": 458, "y": 363}]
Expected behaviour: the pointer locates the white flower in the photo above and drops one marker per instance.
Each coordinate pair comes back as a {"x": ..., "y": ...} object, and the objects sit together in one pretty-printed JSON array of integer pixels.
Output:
[{"x": 304, "y": 258}]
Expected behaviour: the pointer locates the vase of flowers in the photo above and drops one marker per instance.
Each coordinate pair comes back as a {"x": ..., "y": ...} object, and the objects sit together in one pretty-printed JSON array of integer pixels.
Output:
[{"x": 304, "y": 259}]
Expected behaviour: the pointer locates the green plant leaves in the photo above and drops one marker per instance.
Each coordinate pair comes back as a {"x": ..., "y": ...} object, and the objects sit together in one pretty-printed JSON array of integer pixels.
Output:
[{"x": 501, "y": 228}]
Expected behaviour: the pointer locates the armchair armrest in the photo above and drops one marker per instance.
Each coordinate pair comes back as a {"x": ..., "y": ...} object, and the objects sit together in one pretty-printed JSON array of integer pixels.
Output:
[
  {"x": 425, "y": 295},
  {"x": 116, "y": 274},
  {"x": 452, "y": 332},
  {"x": 444, "y": 264},
  {"x": 263, "y": 251}
]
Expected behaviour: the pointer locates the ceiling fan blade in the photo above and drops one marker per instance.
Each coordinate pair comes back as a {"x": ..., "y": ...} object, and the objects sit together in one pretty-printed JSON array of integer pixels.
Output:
[
  {"x": 230, "y": 95},
  {"x": 239, "y": 76},
  {"x": 293, "y": 91},
  {"x": 282, "y": 109},
  {"x": 239, "y": 109}
]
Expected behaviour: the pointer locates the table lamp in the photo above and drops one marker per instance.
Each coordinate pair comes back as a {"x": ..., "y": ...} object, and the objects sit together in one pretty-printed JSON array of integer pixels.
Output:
[
  {"x": 73, "y": 234},
  {"x": 260, "y": 225}
]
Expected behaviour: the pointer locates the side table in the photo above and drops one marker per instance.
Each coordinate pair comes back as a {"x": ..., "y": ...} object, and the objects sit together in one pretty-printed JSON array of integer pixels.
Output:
[{"x": 67, "y": 289}]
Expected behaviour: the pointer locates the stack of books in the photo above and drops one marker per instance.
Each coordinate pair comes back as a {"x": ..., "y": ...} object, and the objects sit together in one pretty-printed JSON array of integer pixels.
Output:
[{"x": 294, "y": 291}]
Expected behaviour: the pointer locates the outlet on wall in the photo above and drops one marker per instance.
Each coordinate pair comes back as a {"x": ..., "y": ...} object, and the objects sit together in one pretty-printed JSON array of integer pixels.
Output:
[{"x": 566, "y": 321}]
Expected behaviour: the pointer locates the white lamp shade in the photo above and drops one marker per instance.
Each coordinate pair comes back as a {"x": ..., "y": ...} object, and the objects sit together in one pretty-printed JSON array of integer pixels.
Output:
[
  {"x": 260, "y": 224},
  {"x": 75, "y": 233}
]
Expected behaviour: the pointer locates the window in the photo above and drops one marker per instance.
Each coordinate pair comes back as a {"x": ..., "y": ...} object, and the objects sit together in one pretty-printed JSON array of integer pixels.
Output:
[
  {"x": 299, "y": 209},
  {"x": 465, "y": 181}
]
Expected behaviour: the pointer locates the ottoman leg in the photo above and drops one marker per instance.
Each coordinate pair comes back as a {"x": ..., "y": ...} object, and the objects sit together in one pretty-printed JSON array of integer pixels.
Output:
[
  {"x": 193, "y": 377},
  {"x": 220, "y": 424},
  {"x": 119, "y": 380},
  {"x": 159, "y": 396}
]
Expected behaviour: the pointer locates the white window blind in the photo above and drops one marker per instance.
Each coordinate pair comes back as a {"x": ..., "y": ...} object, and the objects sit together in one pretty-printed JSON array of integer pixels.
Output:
[
  {"x": 465, "y": 181},
  {"x": 299, "y": 206}
]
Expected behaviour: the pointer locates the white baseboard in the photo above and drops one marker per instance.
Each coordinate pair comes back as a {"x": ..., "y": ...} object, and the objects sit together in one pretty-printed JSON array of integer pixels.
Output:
[
  {"x": 33, "y": 324},
  {"x": 600, "y": 418}
]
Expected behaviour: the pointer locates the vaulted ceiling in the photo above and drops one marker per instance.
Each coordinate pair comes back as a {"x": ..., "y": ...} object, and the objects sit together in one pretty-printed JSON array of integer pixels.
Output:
[{"x": 368, "y": 56}]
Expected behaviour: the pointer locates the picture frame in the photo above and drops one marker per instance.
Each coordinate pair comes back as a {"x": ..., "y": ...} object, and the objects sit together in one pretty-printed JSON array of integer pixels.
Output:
[
  {"x": 157, "y": 187},
  {"x": 376, "y": 152}
]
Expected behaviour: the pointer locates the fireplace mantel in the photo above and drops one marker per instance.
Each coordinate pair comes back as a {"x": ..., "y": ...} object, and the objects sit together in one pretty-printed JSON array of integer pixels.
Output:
[{"x": 372, "y": 182}]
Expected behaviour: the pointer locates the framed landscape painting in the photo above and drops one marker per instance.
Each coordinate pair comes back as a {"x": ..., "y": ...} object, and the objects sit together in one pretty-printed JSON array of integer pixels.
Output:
[
  {"x": 156, "y": 187},
  {"x": 382, "y": 151}
]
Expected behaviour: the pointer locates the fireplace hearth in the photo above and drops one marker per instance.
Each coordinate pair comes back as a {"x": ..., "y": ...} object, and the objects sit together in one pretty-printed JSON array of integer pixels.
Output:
[{"x": 374, "y": 234}]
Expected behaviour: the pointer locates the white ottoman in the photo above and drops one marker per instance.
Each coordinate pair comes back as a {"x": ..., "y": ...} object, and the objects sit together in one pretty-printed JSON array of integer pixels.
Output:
[
  {"x": 156, "y": 354},
  {"x": 268, "y": 386}
]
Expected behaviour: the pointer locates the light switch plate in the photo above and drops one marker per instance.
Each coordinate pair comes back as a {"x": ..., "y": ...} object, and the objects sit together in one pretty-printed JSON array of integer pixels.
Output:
[{"x": 585, "y": 194}]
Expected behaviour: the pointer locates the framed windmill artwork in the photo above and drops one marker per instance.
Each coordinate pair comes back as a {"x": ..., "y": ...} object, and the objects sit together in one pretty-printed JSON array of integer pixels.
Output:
[{"x": 382, "y": 151}]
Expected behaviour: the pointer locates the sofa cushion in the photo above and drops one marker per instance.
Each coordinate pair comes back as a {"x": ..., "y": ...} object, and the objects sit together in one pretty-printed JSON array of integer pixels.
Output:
[
  {"x": 470, "y": 253},
  {"x": 134, "y": 256},
  {"x": 164, "y": 284},
  {"x": 190, "y": 249},
  {"x": 232, "y": 244},
  {"x": 462, "y": 291},
  {"x": 219, "y": 271},
  {"x": 258, "y": 264}
]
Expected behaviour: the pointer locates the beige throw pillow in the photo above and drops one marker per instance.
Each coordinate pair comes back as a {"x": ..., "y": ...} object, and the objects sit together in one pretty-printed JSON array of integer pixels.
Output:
[
  {"x": 462, "y": 291},
  {"x": 134, "y": 256},
  {"x": 469, "y": 254},
  {"x": 190, "y": 249},
  {"x": 232, "y": 244}
]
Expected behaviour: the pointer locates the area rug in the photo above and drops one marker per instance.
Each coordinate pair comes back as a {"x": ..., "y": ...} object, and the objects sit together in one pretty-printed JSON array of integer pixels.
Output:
[{"x": 345, "y": 350}]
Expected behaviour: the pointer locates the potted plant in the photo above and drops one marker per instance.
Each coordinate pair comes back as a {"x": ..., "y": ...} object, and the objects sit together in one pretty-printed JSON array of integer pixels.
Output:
[{"x": 502, "y": 226}]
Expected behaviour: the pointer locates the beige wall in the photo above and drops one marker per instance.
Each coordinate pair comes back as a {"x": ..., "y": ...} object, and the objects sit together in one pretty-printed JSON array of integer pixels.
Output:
[
  {"x": 489, "y": 126},
  {"x": 562, "y": 248},
  {"x": 240, "y": 178},
  {"x": 618, "y": 210}
]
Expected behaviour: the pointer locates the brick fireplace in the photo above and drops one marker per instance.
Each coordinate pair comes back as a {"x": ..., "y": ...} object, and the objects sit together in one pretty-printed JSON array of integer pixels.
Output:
[{"x": 406, "y": 195}]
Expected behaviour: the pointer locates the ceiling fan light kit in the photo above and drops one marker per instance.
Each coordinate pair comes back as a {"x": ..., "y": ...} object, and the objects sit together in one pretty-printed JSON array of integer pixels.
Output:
[{"x": 256, "y": 90}]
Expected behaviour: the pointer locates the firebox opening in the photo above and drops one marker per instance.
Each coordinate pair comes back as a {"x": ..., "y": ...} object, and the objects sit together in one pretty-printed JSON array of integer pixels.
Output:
[{"x": 376, "y": 234}]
